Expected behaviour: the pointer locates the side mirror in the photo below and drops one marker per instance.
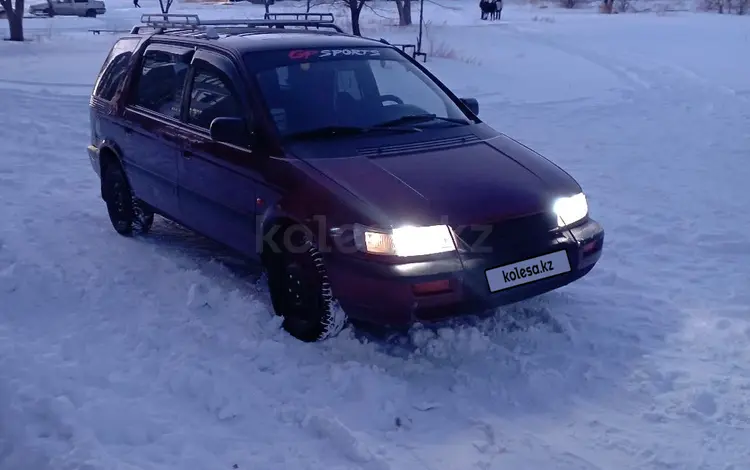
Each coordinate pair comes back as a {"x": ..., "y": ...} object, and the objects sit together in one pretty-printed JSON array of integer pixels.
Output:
[
  {"x": 231, "y": 130},
  {"x": 472, "y": 104}
]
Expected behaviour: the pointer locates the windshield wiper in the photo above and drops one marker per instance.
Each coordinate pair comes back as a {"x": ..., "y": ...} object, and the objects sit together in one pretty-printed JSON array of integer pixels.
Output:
[
  {"x": 414, "y": 118},
  {"x": 327, "y": 131},
  {"x": 334, "y": 131}
]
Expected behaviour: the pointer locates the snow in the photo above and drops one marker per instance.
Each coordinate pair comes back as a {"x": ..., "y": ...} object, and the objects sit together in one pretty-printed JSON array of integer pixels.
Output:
[{"x": 152, "y": 354}]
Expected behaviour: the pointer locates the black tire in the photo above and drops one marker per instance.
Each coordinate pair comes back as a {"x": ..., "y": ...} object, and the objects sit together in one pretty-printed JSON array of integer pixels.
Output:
[
  {"x": 127, "y": 215},
  {"x": 301, "y": 291},
  {"x": 90, "y": 13}
]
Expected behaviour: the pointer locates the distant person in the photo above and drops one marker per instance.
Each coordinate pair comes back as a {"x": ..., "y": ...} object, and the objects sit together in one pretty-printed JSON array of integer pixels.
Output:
[{"x": 135, "y": 3}]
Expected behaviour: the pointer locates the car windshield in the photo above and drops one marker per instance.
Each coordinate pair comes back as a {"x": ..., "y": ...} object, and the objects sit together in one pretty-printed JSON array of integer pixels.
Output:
[{"x": 314, "y": 92}]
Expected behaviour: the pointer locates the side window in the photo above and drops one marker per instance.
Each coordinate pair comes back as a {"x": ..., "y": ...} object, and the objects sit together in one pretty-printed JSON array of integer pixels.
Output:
[
  {"x": 211, "y": 96},
  {"x": 115, "y": 68},
  {"x": 161, "y": 83}
]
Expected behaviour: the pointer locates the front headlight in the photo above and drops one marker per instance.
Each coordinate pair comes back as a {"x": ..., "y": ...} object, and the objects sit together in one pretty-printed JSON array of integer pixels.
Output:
[
  {"x": 571, "y": 209},
  {"x": 405, "y": 241}
]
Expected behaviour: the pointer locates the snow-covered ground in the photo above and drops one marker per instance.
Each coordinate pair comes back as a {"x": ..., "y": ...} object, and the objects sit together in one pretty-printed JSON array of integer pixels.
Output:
[{"x": 149, "y": 354}]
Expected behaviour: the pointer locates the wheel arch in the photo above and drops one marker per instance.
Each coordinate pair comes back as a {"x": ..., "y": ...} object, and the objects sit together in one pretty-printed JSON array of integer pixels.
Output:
[
  {"x": 278, "y": 221},
  {"x": 108, "y": 156}
]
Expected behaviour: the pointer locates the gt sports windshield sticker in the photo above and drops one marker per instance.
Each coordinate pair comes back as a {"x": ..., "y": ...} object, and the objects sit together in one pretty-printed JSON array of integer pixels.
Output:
[
  {"x": 356, "y": 52},
  {"x": 327, "y": 53},
  {"x": 301, "y": 55}
]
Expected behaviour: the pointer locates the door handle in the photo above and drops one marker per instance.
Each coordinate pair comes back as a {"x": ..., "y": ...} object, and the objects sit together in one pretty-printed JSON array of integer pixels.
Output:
[
  {"x": 187, "y": 154},
  {"x": 128, "y": 131}
]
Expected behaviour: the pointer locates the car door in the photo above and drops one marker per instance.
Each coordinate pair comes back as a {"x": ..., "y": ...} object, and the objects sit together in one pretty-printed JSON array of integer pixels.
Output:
[
  {"x": 217, "y": 181},
  {"x": 65, "y": 8},
  {"x": 79, "y": 7},
  {"x": 152, "y": 144}
]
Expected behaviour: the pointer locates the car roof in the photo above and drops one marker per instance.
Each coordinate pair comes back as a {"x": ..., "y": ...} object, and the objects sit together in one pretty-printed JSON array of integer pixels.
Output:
[
  {"x": 279, "y": 39},
  {"x": 241, "y": 40}
]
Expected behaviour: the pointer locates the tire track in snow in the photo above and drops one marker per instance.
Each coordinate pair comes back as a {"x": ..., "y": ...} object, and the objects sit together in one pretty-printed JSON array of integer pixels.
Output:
[
  {"x": 43, "y": 84},
  {"x": 626, "y": 74}
]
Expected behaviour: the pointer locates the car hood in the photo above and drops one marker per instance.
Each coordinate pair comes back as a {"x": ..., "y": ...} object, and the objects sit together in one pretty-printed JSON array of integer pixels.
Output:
[{"x": 484, "y": 182}]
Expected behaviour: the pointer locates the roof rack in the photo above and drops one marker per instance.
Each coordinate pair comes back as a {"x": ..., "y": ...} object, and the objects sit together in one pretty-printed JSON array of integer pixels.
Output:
[
  {"x": 322, "y": 17},
  {"x": 161, "y": 23}
]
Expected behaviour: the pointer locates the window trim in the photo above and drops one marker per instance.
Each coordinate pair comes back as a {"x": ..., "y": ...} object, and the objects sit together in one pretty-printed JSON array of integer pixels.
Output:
[
  {"x": 180, "y": 51},
  {"x": 187, "y": 102},
  {"x": 213, "y": 59}
]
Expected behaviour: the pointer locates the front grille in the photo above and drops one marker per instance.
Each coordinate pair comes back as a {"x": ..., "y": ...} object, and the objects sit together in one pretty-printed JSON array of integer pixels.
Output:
[{"x": 508, "y": 235}]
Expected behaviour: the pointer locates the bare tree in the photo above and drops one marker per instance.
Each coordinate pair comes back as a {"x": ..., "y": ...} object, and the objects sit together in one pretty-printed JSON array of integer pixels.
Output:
[
  {"x": 15, "y": 18},
  {"x": 739, "y": 7},
  {"x": 165, "y": 5},
  {"x": 404, "y": 12},
  {"x": 355, "y": 9},
  {"x": 314, "y": 3}
]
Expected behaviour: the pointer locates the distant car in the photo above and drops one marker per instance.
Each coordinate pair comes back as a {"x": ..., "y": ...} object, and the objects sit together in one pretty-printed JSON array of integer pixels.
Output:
[
  {"x": 340, "y": 163},
  {"x": 87, "y": 8}
]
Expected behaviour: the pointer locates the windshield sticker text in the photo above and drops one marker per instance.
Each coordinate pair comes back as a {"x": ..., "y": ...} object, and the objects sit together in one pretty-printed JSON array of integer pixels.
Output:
[
  {"x": 299, "y": 54},
  {"x": 349, "y": 52}
]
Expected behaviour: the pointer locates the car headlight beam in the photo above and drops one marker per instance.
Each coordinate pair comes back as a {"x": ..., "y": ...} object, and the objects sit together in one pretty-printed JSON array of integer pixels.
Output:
[
  {"x": 405, "y": 241},
  {"x": 571, "y": 209}
]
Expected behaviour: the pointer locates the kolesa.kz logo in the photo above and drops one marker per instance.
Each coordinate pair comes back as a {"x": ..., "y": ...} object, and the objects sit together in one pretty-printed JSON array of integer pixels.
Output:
[
  {"x": 528, "y": 270},
  {"x": 539, "y": 268}
]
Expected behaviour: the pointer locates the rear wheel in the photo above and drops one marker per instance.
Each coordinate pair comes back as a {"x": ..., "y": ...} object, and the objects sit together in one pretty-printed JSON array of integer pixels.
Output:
[
  {"x": 127, "y": 214},
  {"x": 301, "y": 292}
]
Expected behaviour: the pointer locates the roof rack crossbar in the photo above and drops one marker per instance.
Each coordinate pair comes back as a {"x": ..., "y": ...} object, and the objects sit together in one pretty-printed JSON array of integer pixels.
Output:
[
  {"x": 160, "y": 19},
  {"x": 192, "y": 22},
  {"x": 322, "y": 17}
]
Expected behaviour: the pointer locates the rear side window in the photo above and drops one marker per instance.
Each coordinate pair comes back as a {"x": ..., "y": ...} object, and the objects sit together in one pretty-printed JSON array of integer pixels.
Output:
[
  {"x": 115, "y": 68},
  {"x": 161, "y": 82}
]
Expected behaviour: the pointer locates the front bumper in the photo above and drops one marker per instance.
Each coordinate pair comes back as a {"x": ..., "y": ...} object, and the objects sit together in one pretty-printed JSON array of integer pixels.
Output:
[{"x": 388, "y": 294}]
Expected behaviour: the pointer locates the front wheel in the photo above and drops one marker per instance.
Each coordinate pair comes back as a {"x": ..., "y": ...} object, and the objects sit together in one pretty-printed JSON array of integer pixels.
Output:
[
  {"x": 127, "y": 215},
  {"x": 301, "y": 291}
]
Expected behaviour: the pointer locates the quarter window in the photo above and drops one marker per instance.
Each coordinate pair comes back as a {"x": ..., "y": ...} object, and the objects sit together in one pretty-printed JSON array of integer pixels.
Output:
[
  {"x": 115, "y": 68},
  {"x": 211, "y": 97}
]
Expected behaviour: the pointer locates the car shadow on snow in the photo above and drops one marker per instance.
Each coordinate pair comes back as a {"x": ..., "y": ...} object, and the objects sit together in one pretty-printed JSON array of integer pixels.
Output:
[{"x": 194, "y": 251}]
